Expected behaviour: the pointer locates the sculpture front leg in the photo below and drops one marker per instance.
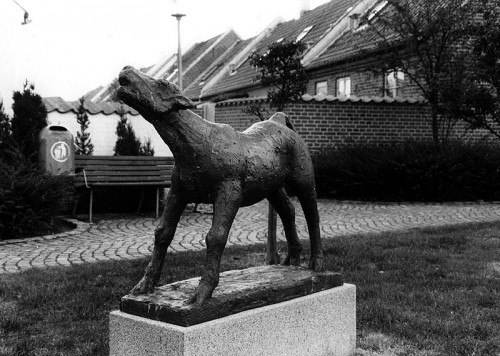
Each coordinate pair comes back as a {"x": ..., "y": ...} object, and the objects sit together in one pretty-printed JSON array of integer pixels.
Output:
[
  {"x": 174, "y": 206},
  {"x": 226, "y": 206}
]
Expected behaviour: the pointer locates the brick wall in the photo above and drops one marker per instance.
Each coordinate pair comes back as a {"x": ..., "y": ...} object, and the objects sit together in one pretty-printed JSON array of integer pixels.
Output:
[{"x": 329, "y": 123}]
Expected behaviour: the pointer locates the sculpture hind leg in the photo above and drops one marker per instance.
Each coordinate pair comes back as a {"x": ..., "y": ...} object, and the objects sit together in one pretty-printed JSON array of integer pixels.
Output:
[
  {"x": 164, "y": 234},
  {"x": 285, "y": 209},
  {"x": 303, "y": 184},
  {"x": 310, "y": 206}
]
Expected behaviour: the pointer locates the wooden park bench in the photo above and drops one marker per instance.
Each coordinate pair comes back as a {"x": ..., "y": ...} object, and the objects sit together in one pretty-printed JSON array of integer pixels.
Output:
[{"x": 123, "y": 171}]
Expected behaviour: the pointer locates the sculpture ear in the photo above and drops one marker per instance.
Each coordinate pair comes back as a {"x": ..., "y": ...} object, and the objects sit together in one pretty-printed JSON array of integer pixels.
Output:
[{"x": 182, "y": 103}]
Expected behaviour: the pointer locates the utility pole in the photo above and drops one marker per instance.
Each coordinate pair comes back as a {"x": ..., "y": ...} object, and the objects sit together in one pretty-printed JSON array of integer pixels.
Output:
[{"x": 178, "y": 15}]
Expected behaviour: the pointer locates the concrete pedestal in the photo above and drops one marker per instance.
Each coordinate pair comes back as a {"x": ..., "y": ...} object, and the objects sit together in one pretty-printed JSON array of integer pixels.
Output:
[{"x": 323, "y": 323}]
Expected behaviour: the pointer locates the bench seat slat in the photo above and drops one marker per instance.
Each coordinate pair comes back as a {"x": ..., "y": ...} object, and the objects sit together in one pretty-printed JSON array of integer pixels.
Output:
[
  {"x": 122, "y": 161},
  {"x": 119, "y": 184},
  {"x": 126, "y": 173},
  {"x": 125, "y": 178},
  {"x": 89, "y": 167}
]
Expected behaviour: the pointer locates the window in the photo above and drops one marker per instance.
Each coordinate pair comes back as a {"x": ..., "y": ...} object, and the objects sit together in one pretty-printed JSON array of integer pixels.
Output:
[
  {"x": 394, "y": 83},
  {"x": 376, "y": 9},
  {"x": 322, "y": 88},
  {"x": 303, "y": 33},
  {"x": 344, "y": 86}
]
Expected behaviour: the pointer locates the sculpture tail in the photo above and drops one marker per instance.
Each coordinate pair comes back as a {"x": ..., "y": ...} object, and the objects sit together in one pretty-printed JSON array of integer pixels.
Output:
[{"x": 283, "y": 119}]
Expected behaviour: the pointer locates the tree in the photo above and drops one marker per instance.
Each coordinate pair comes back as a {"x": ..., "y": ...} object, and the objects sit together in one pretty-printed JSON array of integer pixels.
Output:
[
  {"x": 479, "y": 104},
  {"x": 30, "y": 116},
  {"x": 83, "y": 143},
  {"x": 127, "y": 144},
  {"x": 281, "y": 70},
  {"x": 258, "y": 110},
  {"x": 5, "y": 129},
  {"x": 147, "y": 148},
  {"x": 428, "y": 41}
]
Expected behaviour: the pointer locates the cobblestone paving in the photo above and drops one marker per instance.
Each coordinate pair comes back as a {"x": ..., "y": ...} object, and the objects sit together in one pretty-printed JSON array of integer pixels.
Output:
[{"x": 132, "y": 237}]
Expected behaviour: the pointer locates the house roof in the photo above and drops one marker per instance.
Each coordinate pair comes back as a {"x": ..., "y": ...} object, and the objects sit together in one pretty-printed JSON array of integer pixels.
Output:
[
  {"x": 107, "y": 108},
  {"x": 320, "y": 20},
  {"x": 193, "y": 91},
  {"x": 219, "y": 66},
  {"x": 353, "y": 42},
  {"x": 194, "y": 61}
]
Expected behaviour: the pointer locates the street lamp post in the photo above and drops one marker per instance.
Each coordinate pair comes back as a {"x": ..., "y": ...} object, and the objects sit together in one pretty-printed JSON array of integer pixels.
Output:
[{"x": 178, "y": 16}]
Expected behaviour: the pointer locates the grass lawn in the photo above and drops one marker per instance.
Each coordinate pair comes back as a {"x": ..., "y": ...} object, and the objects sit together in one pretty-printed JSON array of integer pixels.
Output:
[{"x": 422, "y": 292}]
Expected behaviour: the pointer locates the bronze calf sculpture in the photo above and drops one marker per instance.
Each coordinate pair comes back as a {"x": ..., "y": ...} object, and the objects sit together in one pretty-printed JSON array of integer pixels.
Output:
[{"x": 216, "y": 164}]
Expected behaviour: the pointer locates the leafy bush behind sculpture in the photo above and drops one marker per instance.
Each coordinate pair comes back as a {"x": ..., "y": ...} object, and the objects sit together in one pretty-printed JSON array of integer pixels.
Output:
[{"x": 410, "y": 171}]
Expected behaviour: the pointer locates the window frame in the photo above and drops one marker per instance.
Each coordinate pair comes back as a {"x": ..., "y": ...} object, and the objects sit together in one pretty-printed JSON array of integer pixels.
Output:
[
  {"x": 344, "y": 80},
  {"x": 395, "y": 89},
  {"x": 317, "y": 86}
]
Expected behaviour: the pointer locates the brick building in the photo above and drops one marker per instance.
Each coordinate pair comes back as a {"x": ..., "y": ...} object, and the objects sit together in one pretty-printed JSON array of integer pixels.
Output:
[{"x": 352, "y": 94}]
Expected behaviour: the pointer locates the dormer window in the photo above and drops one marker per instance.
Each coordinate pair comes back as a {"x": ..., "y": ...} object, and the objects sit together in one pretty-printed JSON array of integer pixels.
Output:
[
  {"x": 172, "y": 75},
  {"x": 303, "y": 33},
  {"x": 354, "y": 21},
  {"x": 377, "y": 9},
  {"x": 232, "y": 68}
]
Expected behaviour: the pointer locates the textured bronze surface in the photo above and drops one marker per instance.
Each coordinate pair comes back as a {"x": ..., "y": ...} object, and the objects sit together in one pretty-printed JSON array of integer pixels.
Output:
[
  {"x": 216, "y": 164},
  {"x": 238, "y": 290}
]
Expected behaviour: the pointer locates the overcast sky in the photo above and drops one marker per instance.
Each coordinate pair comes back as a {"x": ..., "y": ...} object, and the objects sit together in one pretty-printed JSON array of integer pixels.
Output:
[{"x": 73, "y": 46}]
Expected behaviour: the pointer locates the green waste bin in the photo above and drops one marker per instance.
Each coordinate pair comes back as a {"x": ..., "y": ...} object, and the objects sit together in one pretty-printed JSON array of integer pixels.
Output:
[{"x": 57, "y": 151}]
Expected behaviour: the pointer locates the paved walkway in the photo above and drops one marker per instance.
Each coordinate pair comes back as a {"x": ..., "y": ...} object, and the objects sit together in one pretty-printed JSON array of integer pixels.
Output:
[{"x": 132, "y": 237}]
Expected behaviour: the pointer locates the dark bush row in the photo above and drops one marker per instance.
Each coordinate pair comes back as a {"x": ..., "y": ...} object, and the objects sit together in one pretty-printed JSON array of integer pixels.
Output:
[
  {"x": 411, "y": 171},
  {"x": 30, "y": 200}
]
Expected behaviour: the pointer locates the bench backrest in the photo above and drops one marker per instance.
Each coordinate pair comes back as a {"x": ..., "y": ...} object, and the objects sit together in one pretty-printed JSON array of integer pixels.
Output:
[{"x": 123, "y": 170}]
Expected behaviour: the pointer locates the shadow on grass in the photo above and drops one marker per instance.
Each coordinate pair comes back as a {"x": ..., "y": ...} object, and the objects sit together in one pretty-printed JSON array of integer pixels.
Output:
[{"x": 422, "y": 292}]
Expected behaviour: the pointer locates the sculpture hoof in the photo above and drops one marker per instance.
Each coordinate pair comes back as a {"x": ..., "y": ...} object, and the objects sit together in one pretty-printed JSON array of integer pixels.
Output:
[
  {"x": 316, "y": 264},
  {"x": 291, "y": 261},
  {"x": 200, "y": 296},
  {"x": 142, "y": 287}
]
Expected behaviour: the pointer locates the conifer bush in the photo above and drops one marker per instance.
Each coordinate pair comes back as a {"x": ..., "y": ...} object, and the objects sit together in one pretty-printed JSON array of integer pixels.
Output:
[{"x": 31, "y": 200}]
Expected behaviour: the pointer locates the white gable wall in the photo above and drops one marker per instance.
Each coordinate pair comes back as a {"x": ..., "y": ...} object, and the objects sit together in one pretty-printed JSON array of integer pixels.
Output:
[{"x": 102, "y": 129}]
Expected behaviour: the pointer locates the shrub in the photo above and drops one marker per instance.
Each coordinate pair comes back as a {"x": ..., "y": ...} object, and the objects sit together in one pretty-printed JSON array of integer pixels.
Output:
[
  {"x": 411, "y": 171},
  {"x": 30, "y": 200},
  {"x": 30, "y": 117}
]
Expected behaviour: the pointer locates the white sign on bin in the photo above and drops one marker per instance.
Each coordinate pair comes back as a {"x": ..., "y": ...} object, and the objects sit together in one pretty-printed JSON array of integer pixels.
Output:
[{"x": 60, "y": 151}]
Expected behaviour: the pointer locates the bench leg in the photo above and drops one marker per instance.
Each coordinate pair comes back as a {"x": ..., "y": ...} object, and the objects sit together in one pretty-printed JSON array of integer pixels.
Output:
[
  {"x": 75, "y": 206},
  {"x": 157, "y": 201},
  {"x": 91, "y": 204},
  {"x": 141, "y": 201}
]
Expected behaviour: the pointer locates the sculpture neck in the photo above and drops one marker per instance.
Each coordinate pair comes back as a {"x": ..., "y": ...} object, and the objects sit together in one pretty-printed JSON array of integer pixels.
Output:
[{"x": 184, "y": 132}]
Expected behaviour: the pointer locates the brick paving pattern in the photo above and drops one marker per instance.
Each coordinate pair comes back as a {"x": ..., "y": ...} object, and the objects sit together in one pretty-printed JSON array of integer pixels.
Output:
[{"x": 132, "y": 237}]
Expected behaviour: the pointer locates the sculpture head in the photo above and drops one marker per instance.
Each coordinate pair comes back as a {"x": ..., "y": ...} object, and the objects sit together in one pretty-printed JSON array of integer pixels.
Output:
[{"x": 153, "y": 98}]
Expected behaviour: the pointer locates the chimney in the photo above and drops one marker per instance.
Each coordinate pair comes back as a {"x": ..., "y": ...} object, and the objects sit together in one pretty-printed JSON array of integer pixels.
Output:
[{"x": 304, "y": 7}]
